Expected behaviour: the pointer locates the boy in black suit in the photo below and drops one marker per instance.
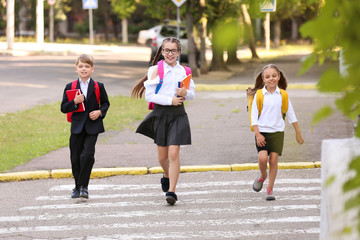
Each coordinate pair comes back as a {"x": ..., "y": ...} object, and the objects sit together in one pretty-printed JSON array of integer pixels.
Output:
[{"x": 86, "y": 125}]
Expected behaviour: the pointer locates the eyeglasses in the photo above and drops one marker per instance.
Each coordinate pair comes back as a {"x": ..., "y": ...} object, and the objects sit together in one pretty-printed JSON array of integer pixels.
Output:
[{"x": 173, "y": 51}]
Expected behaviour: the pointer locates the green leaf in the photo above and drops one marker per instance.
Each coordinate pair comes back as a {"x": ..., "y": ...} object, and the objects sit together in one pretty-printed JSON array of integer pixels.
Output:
[
  {"x": 357, "y": 129},
  {"x": 351, "y": 184},
  {"x": 331, "y": 81},
  {"x": 347, "y": 230},
  {"x": 355, "y": 164},
  {"x": 329, "y": 180},
  {"x": 307, "y": 63},
  {"x": 352, "y": 202},
  {"x": 321, "y": 114}
]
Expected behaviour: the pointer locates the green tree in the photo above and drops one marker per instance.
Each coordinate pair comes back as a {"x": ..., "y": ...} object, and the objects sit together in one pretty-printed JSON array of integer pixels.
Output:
[
  {"x": 124, "y": 9},
  {"x": 343, "y": 18},
  {"x": 291, "y": 9},
  {"x": 222, "y": 14}
]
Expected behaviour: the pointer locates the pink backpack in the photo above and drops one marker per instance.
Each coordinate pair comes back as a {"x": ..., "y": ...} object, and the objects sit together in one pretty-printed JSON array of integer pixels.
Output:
[{"x": 160, "y": 65}]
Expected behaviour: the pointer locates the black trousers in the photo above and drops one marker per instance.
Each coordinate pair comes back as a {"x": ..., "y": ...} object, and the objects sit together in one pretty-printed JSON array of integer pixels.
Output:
[{"x": 82, "y": 151}]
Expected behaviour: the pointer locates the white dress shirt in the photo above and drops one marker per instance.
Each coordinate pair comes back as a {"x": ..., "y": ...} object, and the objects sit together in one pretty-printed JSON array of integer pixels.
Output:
[
  {"x": 271, "y": 119},
  {"x": 84, "y": 87},
  {"x": 172, "y": 75}
]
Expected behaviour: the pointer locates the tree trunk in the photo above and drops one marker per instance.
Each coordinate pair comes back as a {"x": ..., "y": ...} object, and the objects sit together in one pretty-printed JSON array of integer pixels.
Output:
[
  {"x": 190, "y": 35},
  {"x": 202, "y": 33},
  {"x": 106, "y": 19},
  {"x": 124, "y": 30},
  {"x": 115, "y": 22},
  {"x": 217, "y": 61},
  {"x": 232, "y": 48},
  {"x": 24, "y": 16},
  {"x": 294, "y": 30},
  {"x": 277, "y": 33},
  {"x": 247, "y": 20}
]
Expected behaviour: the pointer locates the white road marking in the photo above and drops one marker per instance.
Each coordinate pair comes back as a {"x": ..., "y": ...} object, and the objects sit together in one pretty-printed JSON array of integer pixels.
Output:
[
  {"x": 217, "y": 222},
  {"x": 187, "y": 211},
  {"x": 103, "y": 187},
  {"x": 232, "y": 194},
  {"x": 200, "y": 234}
]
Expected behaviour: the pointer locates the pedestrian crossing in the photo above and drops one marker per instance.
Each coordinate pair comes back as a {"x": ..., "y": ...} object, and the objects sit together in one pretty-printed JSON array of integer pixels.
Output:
[{"x": 205, "y": 210}]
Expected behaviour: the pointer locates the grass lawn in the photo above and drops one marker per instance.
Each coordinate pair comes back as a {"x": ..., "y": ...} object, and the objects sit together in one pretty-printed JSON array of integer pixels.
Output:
[{"x": 32, "y": 133}]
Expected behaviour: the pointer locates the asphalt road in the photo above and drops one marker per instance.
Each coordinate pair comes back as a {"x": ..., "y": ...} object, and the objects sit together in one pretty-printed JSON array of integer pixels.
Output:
[{"x": 28, "y": 81}]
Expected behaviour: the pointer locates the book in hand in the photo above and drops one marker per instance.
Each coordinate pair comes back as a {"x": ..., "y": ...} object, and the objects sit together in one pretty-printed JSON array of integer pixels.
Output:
[
  {"x": 186, "y": 82},
  {"x": 71, "y": 95}
]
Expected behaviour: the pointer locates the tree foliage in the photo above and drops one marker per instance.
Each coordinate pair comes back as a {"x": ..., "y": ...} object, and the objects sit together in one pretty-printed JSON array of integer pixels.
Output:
[
  {"x": 123, "y": 8},
  {"x": 343, "y": 17},
  {"x": 337, "y": 28}
]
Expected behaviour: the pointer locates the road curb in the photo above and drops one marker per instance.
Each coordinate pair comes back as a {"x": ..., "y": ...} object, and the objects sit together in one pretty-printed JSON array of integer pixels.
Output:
[{"x": 108, "y": 172}]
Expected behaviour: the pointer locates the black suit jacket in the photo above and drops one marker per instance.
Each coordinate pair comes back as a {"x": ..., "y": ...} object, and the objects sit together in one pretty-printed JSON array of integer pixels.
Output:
[{"x": 81, "y": 120}]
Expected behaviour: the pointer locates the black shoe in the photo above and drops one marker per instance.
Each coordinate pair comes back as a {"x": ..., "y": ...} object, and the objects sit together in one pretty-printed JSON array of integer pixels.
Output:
[
  {"x": 84, "y": 192},
  {"x": 165, "y": 184},
  {"x": 75, "y": 193},
  {"x": 171, "y": 198}
]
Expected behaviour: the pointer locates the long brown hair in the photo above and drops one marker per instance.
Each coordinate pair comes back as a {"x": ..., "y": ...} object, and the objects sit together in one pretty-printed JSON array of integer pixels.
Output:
[
  {"x": 259, "y": 83},
  {"x": 139, "y": 88}
]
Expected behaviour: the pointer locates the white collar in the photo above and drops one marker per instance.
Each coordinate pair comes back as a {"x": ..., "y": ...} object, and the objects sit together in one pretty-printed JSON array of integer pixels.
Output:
[
  {"x": 87, "y": 81},
  {"x": 264, "y": 90}
]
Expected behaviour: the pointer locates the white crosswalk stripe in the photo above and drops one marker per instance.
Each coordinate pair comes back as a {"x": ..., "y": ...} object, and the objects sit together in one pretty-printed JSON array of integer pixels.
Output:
[{"x": 216, "y": 209}]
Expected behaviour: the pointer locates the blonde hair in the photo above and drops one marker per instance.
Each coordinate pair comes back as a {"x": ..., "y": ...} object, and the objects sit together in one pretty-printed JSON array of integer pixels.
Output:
[{"x": 85, "y": 59}]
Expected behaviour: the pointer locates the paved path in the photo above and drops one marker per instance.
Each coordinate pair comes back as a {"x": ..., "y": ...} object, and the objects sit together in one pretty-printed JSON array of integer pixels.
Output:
[{"x": 212, "y": 205}]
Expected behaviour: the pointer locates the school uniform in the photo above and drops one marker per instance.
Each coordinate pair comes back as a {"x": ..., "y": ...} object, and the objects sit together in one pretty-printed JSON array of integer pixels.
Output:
[
  {"x": 84, "y": 131},
  {"x": 167, "y": 124},
  {"x": 271, "y": 123}
]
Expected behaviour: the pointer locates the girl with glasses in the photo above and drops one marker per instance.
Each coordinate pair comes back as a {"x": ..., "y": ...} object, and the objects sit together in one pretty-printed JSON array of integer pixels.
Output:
[{"x": 168, "y": 124}]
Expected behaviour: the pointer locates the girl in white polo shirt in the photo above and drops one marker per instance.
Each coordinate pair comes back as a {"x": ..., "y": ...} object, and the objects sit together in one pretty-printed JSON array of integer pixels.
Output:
[
  {"x": 269, "y": 126},
  {"x": 168, "y": 123}
]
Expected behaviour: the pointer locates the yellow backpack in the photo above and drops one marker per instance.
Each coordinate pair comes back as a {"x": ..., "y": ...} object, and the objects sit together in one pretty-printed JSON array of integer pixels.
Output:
[{"x": 260, "y": 100}]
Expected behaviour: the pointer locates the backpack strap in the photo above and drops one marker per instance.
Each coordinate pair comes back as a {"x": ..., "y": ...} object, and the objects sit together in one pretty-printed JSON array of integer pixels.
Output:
[
  {"x": 97, "y": 91},
  {"x": 74, "y": 84},
  {"x": 187, "y": 70},
  {"x": 259, "y": 100},
  {"x": 160, "y": 65},
  {"x": 285, "y": 102}
]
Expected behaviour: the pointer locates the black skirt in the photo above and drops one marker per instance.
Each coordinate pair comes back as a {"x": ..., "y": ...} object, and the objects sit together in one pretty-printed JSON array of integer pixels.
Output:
[
  {"x": 167, "y": 125},
  {"x": 274, "y": 142}
]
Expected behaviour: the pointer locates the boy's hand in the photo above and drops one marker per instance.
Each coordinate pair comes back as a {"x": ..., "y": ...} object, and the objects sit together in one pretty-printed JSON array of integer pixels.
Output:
[
  {"x": 79, "y": 98},
  {"x": 94, "y": 114}
]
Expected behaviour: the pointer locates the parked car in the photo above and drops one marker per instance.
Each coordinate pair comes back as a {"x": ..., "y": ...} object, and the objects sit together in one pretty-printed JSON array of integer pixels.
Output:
[
  {"x": 171, "y": 31},
  {"x": 145, "y": 37}
]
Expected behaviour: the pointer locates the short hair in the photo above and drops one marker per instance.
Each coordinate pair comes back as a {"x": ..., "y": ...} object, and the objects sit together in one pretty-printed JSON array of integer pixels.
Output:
[{"x": 86, "y": 59}]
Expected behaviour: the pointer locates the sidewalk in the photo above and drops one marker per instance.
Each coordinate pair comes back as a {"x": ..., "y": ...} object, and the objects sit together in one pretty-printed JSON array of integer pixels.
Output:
[{"x": 221, "y": 139}]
